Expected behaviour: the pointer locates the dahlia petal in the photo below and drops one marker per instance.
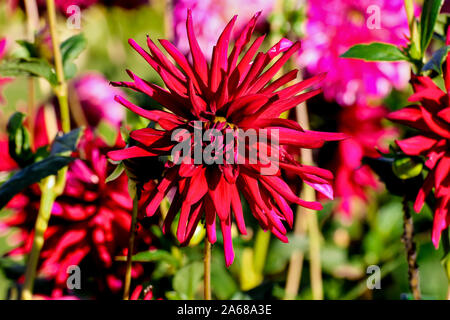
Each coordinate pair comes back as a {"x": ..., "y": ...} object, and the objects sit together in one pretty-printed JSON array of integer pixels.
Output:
[
  {"x": 198, "y": 186},
  {"x": 280, "y": 106},
  {"x": 416, "y": 145},
  {"x": 220, "y": 54},
  {"x": 409, "y": 114},
  {"x": 266, "y": 76},
  {"x": 221, "y": 197},
  {"x": 437, "y": 126},
  {"x": 237, "y": 209},
  {"x": 175, "y": 206},
  {"x": 131, "y": 152},
  {"x": 324, "y": 188},
  {"x": 251, "y": 102},
  {"x": 244, "y": 65},
  {"x": 210, "y": 220},
  {"x": 194, "y": 219},
  {"x": 439, "y": 222},
  {"x": 164, "y": 61},
  {"x": 286, "y": 78},
  {"x": 200, "y": 65},
  {"x": 242, "y": 40},
  {"x": 430, "y": 98},
  {"x": 152, "y": 137},
  {"x": 442, "y": 170},
  {"x": 181, "y": 60},
  {"x": 298, "y": 87},
  {"x": 423, "y": 192},
  {"x": 182, "y": 223},
  {"x": 444, "y": 114},
  {"x": 225, "y": 225}
]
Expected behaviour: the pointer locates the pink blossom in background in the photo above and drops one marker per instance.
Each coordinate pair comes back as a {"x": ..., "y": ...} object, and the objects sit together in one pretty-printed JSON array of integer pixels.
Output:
[
  {"x": 96, "y": 97},
  {"x": 333, "y": 26},
  {"x": 352, "y": 178},
  {"x": 211, "y": 17},
  {"x": 3, "y": 81}
]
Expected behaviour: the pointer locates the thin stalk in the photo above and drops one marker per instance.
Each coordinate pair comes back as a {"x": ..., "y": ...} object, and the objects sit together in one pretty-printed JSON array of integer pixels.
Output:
[
  {"x": 51, "y": 186},
  {"x": 61, "y": 88},
  {"x": 207, "y": 269},
  {"x": 32, "y": 26},
  {"x": 127, "y": 283},
  {"x": 311, "y": 225},
  {"x": 46, "y": 204},
  {"x": 262, "y": 242},
  {"x": 411, "y": 253}
]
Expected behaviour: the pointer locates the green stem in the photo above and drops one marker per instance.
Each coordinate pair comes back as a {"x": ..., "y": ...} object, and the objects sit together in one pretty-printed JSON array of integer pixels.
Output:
[
  {"x": 411, "y": 253},
  {"x": 207, "y": 270},
  {"x": 60, "y": 89},
  {"x": 46, "y": 204},
  {"x": 127, "y": 283}
]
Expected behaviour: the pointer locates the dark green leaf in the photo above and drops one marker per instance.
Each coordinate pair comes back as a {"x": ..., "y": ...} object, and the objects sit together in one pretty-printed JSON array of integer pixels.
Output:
[
  {"x": 430, "y": 12},
  {"x": 30, "y": 175},
  {"x": 72, "y": 47},
  {"x": 33, "y": 66},
  {"x": 70, "y": 50},
  {"x": 375, "y": 51},
  {"x": 19, "y": 140},
  {"x": 436, "y": 60},
  {"x": 66, "y": 143},
  {"x": 29, "y": 50},
  {"x": 120, "y": 168}
]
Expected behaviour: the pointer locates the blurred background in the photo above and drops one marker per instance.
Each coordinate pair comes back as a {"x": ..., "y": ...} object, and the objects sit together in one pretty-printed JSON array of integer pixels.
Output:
[{"x": 362, "y": 227}]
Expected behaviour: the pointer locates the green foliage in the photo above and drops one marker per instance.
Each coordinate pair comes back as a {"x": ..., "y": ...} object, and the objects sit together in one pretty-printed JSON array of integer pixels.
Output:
[
  {"x": 428, "y": 18},
  {"x": 29, "y": 67},
  {"x": 71, "y": 48},
  {"x": 375, "y": 51},
  {"x": 187, "y": 280},
  {"x": 435, "y": 63}
]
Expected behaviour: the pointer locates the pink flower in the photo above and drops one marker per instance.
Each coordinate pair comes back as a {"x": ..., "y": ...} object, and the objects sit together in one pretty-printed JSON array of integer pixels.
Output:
[
  {"x": 211, "y": 17},
  {"x": 226, "y": 96},
  {"x": 333, "y": 26},
  {"x": 353, "y": 180},
  {"x": 96, "y": 98},
  {"x": 90, "y": 222},
  {"x": 3, "y": 81}
]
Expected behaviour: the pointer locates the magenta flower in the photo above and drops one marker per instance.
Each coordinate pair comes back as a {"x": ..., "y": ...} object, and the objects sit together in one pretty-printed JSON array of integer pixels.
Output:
[
  {"x": 211, "y": 17},
  {"x": 366, "y": 133},
  {"x": 333, "y": 26},
  {"x": 432, "y": 120},
  {"x": 3, "y": 81},
  {"x": 90, "y": 222},
  {"x": 96, "y": 98},
  {"x": 227, "y": 95}
]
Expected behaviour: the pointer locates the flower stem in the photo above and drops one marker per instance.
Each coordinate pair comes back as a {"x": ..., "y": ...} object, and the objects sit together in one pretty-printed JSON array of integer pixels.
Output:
[
  {"x": 60, "y": 89},
  {"x": 127, "y": 283},
  {"x": 207, "y": 270},
  {"x": 46, "y": 204},
  {"x": 411, "y": 253},
  {"x": 32, "y": 25},
  {"x": 296, "y": 261}
]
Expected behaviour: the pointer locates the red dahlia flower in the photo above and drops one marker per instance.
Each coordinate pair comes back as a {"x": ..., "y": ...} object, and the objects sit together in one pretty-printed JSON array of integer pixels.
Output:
[
  {"x": 432, "y": 119},
  {"x": 228, "y": 96},
  {"x": 90, "y": 222},
  {"x": 353, "y": 180}
]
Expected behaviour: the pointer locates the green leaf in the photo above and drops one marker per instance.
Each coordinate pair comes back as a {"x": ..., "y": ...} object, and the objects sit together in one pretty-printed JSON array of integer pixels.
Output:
[
  {"x": 430, "y": 12},
  {"x": 19, "y": 140},
  {"x": 120, "y": 168},
  {"x": 27, "y": 50},
  {"x": 436, "y": 60},
  {"x": 280, "y": 253},
  {"x": 187, "y": 280},
  {"x": 155, "y": 255},
  {"x": 222, "y": 282},
  {"x": 33, "y": 66},
  {"x": 108, "y": 132},
  {"x": 70, "y": 50},
  {"x": 66, "y": 143},
  {"x": 30, "y": 175},
  {"x": 375, "y": 51}
]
